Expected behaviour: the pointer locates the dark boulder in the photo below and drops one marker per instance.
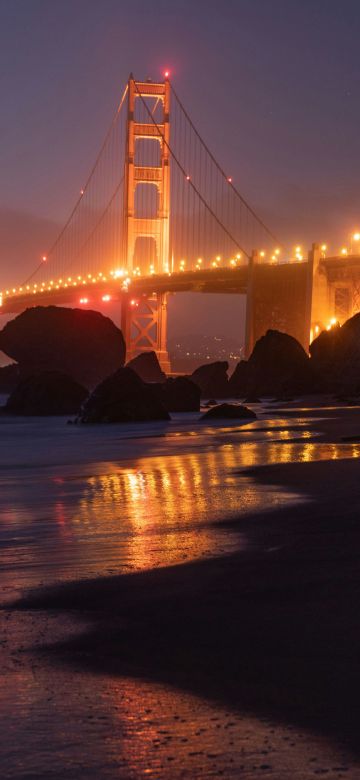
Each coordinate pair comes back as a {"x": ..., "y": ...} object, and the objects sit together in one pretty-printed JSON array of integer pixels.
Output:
[
  {"x": 9, "y": 377},
  {"x": 123, "y": 397},
  {"x": 278, "y": 365},
  {"x": 229, "y": 412},
  {"x": 180, "y": 394},
  {"x": 84, "y": 344},
  {"x": 147, "y": 367},
  {"x": 335, "y": 357},
  {"x": 48, "y": 393},
  {"x": 212, "y": 379}
]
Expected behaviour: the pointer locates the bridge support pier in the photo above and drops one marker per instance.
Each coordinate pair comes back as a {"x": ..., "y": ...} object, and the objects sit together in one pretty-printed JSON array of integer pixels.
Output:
[
  {"x": 278, "y": 297},
  {"x": 144, "y": 326}
]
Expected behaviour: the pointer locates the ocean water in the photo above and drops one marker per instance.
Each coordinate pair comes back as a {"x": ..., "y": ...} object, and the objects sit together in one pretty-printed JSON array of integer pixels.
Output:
[{"x": 79, "y": 501}]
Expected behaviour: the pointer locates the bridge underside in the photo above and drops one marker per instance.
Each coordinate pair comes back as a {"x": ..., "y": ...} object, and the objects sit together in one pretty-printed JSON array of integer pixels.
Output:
[{"x": 297, "y": 298}]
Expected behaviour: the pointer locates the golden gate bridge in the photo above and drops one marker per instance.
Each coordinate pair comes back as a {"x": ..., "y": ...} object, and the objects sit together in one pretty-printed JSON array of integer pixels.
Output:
[{"x": 158, "y": 214}]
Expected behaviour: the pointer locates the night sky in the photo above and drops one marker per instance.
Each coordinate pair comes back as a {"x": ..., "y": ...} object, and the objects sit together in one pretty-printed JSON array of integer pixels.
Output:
[{"x": 273, "y": 85}]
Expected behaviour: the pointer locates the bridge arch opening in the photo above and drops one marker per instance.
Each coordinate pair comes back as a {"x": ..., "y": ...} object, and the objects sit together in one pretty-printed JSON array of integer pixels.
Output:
[
  {"x": 145, "y": 255},
  {"x": 147, "y": 152},
  {"x": 146, "y": 105},
  {"x": 204, "y": 328},
  {"x": 146, "y": 201}
]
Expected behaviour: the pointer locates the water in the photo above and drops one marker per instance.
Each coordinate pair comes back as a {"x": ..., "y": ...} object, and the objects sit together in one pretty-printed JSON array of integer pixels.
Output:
[{"x": 78, "y": 501}]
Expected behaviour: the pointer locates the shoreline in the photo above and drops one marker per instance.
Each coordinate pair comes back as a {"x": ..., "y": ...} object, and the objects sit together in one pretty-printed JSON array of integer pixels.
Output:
[{"x": 270, "y": 629}]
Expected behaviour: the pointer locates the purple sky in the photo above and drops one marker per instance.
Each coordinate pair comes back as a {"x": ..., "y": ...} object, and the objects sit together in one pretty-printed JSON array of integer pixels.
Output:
[{"x": 273, "y": 85}]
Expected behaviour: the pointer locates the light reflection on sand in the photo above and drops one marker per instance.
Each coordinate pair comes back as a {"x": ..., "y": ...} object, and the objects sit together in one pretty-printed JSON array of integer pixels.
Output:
[{"x": 161, "y": 501}]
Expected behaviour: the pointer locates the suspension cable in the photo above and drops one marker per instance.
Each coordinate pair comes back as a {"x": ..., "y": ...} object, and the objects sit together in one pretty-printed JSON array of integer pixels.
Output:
[
  {"x": 221, "y": 170},
  {"x": 201, "y": 198},
  {"x": 92, "y": 171}
]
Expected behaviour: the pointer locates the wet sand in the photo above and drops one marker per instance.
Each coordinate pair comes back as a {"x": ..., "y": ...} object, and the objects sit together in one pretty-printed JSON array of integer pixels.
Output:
[{"x": 270, "y": 633}]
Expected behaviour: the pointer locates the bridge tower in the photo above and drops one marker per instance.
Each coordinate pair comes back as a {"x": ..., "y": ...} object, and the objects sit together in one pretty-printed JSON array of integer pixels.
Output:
[{"x": 144, "y": 321}]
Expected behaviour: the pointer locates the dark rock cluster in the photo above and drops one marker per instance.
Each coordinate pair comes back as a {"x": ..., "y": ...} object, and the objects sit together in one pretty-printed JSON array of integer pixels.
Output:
[
  {"x": 180, "y": 394},
  {"x": 335, "y": 357},
  {"x": 147, "y": 367},
  {"x": 123, "y": 397},
  {"x": 61, "y": 353},
  {"x": 229, "y": 412},
  {"x": 212, "y": 379},
  {"x": 9, "y": 377},
  {"x": 47, "y": 393},
  {"x": 83, "y": 344},
  {"x": 278, "y": 365}
]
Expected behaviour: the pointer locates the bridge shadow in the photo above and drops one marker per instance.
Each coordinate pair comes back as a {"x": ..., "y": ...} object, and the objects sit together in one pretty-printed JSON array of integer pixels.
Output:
[{"x": 273, "y": 629}]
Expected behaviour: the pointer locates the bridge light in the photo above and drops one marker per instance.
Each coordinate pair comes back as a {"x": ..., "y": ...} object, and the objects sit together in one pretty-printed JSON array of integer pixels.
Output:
[
  {"x": 344, "y": 251},
  {"x": 84, "y": 300},
  {"x": 323, "y": 247},
  {"x": 356, "y": 237},
  {"x": 106, "y": 298},
  {"x": 44, "y": 258},
  {"x": 230, "y": 179},
  {"x": 232, "y": 262},
  {"x": 199, "y": 260},
  {"x": 81, "y": 192},
  {"x": 262, "y": 254},
  {"x": 188, "y": 178},
  {"x": 167, "y": 74},
  {"x": 238, "y": 256},
  {"x": 214, "y": 264},
  {"x": 277, "y": 251}
]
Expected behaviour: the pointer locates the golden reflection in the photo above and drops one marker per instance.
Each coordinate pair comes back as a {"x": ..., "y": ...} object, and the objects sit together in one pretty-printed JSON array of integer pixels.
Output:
[{"x": 164, "y": 508}]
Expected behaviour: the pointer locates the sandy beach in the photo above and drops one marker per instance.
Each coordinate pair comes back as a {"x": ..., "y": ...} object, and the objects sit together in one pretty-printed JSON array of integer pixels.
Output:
[{"x": 269, "y": 632}]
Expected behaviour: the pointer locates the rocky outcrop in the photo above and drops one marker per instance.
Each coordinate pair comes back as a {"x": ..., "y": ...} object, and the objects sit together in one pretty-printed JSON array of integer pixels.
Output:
[
  {"x": 212, "y": 379},
  {"x": 335, "y": 357},
  {"x": 278, "y": 365},
  {"x": 123, "y": 397},
  {"x": 180, "y": 394},
  {"x": 229, "y": 412},
  {"x": 45, "y": 394},
  {"x": 9, "y": 377},
  {"x": 147, "y": 367},
  {"x": 84, "y": 344}
]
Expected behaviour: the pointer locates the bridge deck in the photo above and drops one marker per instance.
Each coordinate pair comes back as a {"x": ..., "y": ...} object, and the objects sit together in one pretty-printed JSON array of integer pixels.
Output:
[{"x": 214, "y": 280}]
